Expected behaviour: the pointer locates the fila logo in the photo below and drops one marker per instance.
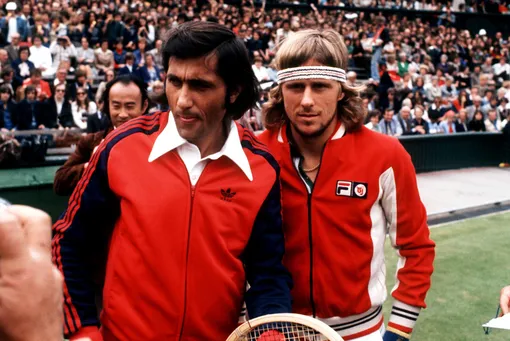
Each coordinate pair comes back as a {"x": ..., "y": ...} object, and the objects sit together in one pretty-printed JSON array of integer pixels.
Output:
[
  {"x": 227, "y": 195},
  {"x": 351, "y": 189}
]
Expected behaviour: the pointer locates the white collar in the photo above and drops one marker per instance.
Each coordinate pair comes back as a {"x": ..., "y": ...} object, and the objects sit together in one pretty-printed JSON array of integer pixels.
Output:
[{"x": 169, "y": 139}]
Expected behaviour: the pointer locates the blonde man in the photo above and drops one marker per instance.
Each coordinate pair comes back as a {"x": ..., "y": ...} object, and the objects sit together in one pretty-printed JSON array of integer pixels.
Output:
[{"x": 344, "y": 187}]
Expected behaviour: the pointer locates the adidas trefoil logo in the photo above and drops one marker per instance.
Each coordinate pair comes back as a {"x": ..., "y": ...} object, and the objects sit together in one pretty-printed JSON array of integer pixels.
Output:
[{"x": 227, "y": 194}]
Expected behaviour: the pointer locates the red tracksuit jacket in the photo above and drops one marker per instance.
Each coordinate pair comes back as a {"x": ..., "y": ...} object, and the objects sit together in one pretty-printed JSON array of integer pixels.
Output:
[
  {"x": 178, "y": 256},
  {"x": 365, "y": 187}
]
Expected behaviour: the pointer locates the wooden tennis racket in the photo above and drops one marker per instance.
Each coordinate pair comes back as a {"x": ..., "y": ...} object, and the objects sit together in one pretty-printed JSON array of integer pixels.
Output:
[{"x": 284, "y": 327}]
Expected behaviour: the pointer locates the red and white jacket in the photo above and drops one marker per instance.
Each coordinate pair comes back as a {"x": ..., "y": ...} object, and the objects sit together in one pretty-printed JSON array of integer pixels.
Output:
[{"x": 335, "y": 232}]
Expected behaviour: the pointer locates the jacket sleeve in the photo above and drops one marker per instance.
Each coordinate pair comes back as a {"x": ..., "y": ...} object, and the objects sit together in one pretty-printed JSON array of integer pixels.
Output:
[
  {"x": 270, "y": 282},
  {"x": 67, "y": 176},
  {"x": 79, "y": 244},
  {"x": 410, "y": 237}
]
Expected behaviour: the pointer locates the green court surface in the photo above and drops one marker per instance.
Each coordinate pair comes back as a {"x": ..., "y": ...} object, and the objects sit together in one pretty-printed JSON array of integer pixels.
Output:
[{"x": 472, "y": 265}]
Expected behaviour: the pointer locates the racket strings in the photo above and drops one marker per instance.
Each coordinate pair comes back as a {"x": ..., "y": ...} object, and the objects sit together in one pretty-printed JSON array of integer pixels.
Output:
[{"x": 286, "y": 331}]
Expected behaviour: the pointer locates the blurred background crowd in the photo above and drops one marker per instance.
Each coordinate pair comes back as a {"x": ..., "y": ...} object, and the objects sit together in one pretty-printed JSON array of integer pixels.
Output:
[{"x": 423, "y": 75}]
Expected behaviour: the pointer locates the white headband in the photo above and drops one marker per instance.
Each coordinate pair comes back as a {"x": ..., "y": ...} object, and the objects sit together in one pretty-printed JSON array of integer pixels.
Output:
[{"x": 311, "y": 72}]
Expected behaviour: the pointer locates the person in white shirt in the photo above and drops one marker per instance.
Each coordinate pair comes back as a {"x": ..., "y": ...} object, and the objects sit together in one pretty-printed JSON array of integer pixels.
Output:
[
  {"x": 502, "y": 69},
  {"x": 62, "y": 50},
  {"x": 260, "y": 71},
  {"x": 82, "y": 108},
  {"x": 492, "y": 123},
  {"x": 40, "y": 55}
]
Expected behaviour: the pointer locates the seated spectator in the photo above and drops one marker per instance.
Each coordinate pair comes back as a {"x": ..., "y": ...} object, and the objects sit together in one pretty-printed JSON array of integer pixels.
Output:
[
  {"x": 158, "y": 91},
  {"x": 7, "y": 109},
  {"x": 140, "y": 52},
  {"x": 14, "y": 48},
  {"x": 98, "y": 121},
  {"x": 100, "y": 89},
  {"x": 433, "y": 90},
  {"x": 447, "y": 126},
  {"x": 22, "y": 66},
  {"x": 125, "y": 98},
  {"x": 39, "y": 29},
  {"x": 4, "y": 59},
  {"x": 8, "y": 79},
  {"x": 61, "y": 77},
  {"x": 130, "y": 68},
  {"x": 42, "y": 87},
  {"x": 477, "y": 123},
  {"x": 461, "y": 124},
  {"x": 104, "y": 58},
  {"x": 149, "y": 73},
  {"x": 62, "y": 50},
  {"x": 403, "y": 65},
  {"x": 156, "y": 53},
  {"x": 492, "y": 123},
  {"x": 373, "y": 123},
  {"x": 58, "y": 109},
  {"x": 82, "y": 107},
  {"x": 404, "y": 121},
  {"x": 476, "y": 106},
  {"x": 85, "y": 57},
  {"x": 420, "y": 124},
  {"x": 389, "y": 125},
  {"x": 27, "y": 113},
  {"x": 449, "y": 91},
  {"x": 502, "y": 70},
  {"x": 260, "y": 71},
  {"x": 119, "y": 55},
  {"x": 80, "y": 82},
  {"x": 40, "y": 56}
]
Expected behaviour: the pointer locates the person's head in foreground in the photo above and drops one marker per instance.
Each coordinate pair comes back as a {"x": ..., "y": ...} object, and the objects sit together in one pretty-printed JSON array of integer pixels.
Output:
[
  {"x": 312, "y": 92},
  {"x": 209, "y": 81},
  {"x": 125, "y": 98}
]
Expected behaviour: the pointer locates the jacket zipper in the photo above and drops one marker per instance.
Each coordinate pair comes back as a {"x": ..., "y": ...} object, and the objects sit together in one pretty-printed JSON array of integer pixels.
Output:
[
  {"x": 193, "y": 187},
  {"x": 310, "y": 230}
]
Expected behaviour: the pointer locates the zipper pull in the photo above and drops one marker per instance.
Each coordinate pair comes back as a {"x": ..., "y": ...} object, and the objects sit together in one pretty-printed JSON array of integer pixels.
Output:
[{"x": 193, "y": 191}]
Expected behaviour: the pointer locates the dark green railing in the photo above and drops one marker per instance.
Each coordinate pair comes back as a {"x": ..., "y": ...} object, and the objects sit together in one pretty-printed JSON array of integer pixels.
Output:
[{"x": 33, "y": 186}]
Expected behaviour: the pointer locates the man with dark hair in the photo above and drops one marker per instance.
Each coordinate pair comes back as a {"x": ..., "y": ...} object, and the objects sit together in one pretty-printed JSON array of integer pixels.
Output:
[
  {"x": 130, "y": 68},
  {"x": 42, "y": 87},
  {"x": 344, "y": 188},
  {"x": 185, "y": 205},
  {"x": 28, "y": 112},
  {"x": 79, "y": 83}
]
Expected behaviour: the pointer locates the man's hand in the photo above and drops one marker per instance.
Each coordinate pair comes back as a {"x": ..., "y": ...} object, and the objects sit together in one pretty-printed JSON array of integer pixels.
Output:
[
  {"x": 30, "y": 285},
  {"x": 504, "y": 301}
]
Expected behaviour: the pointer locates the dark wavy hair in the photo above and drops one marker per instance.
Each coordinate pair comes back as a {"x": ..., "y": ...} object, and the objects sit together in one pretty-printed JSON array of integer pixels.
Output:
[
  {"x": 126, "y": 80},
  {"x": 197, "y": 39}
]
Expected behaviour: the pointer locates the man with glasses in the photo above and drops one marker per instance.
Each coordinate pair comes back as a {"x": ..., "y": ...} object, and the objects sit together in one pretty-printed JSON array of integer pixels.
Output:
[{"x": 58, "y": 110}]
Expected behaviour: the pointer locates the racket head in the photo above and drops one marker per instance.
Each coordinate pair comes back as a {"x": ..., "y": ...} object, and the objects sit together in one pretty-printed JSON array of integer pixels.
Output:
[{"x": 293, "y": 327}]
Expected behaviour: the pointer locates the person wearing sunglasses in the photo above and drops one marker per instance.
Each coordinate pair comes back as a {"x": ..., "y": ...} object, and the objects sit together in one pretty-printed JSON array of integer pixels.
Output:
[{"x": 82, "y": 107}]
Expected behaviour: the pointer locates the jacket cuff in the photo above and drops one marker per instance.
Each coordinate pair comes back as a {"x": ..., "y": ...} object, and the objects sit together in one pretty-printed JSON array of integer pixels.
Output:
[
  {"x": 91, "y": 332},
  {"x": 403, "y": 317}
]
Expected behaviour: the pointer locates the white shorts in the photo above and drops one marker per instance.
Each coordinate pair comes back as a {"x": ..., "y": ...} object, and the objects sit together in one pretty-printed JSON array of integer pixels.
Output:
[{"x": 375, "y": 336}]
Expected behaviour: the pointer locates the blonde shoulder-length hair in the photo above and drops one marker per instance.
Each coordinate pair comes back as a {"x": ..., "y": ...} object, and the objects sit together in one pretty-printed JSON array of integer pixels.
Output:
[{"x": 327, "y": 48}]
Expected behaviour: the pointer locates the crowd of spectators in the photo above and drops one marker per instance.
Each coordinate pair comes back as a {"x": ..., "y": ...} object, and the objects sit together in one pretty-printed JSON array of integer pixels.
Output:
[{"x": 424, "y": 77}]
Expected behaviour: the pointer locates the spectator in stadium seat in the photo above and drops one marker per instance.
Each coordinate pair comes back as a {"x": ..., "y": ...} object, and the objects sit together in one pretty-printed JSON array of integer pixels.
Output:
[
  {"x": 8, "y": 79},
  {"x": 98, "y": 121},
  {"x": 22, "y": 66},
  {"x": 113, "y": 28},
  {"x": 449, "y": 90},
  {"x": 476, "y": 106},
  {"x": 7, "y": 108},
  {"x": 461, "y": 124},
  {"x": 13, "y": 48},
  {"x": 119, "y": 55},
  {"x": 373, "y": 123},
  {"x": 447, "y": 126},
  {"x": 420, "y": 124},
  {"x": 156, "y": 53},
  {"x": 58, "y": 109},
  {"x": 477, "y": 123},
  {"x": 104, "y": 58},
  {"x": 405, "y": 121},
  {"x": 492, "y": 123},
  {"x": 140, "y": 52},
  {"x": 82, "y": 107},
  {"x": 149, "y": 73},
  {"x": 130, "y": 68},
  {"x": 42, "y": 87},
  {"x": 40, "y": 56},
  {"x": 62, "y": 50},
  {"x": 197, "y": 86},
  {"x": 110, "y": 74},
  {"x": 85, "y": 57},
  {"x": 13, "y": 23},
  {"x": 260, "y": 70},
  {"x": 27, "y": 113},
  {"x": 4, "y": 59},
  {"x": 80, "y": 82},
  {"x": 61, "y": 77},
  {"x": 389, "y": 125}
]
